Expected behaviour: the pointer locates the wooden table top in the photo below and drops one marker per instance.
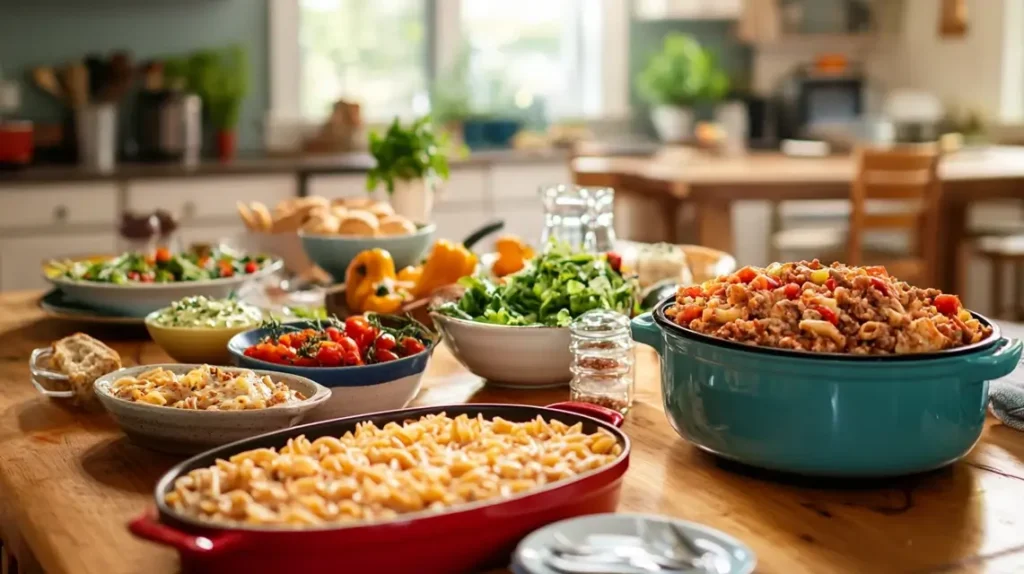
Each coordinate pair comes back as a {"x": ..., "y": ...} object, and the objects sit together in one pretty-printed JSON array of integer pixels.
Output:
[
  {"x": 687, "y": 168},
  {"x": 69, "y": 482}
]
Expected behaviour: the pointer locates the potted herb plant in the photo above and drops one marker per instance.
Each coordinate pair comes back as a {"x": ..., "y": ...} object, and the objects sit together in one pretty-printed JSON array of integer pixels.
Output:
[
  {"x": 222, "y": 80},
  {"x": 410, "y": 161},
  {"x": 676, "y": 79}
]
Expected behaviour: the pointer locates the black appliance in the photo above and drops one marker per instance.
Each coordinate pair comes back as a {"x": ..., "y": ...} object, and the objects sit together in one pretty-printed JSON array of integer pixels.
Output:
[{"x": 808, "y": 97}]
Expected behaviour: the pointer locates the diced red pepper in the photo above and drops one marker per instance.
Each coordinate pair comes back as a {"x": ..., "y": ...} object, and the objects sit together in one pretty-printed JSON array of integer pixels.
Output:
[
  {"x": 689, "y": 313},
  {"x": 830, "y": 284},
  {"x": 947, "y": 304},
  {"x": 877, "y": 283},
  {"x": 827, "y": 314},
  {"x": 877, "y": 271},
  {"x": 792, "y": 291},
  {"x": 615, "y": 261},
  {"x": 251, "y": 267},
  {"x": 693, "y": 291},
  {"x": 747, "y": 274}
]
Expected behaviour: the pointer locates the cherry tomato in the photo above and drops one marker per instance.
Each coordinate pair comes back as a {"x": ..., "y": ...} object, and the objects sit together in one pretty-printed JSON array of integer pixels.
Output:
[
  {"x": 360, "y": 330},
  {"x": 134, "y": 275},
  {"x": 329, "y": 356},
  {"x": 947, "y": 304},
  {"x": 250, "y": 351},
  {"x": 384, "y": 355},
  {"x": 304, "y": 362},
  {"x": 615, "y": 261},
  {"x": 251, "y": 267},
  {"x": 348, "y": 345},
  {"x": 880, "y": 285},
  {"x": 285, "y": 339},
  {"x": 385, "y": 342},
  {"x": 163, "y": 255},
  {"x": 690, "y": 312},
  {"x": 226, "y": 270},
  {"x": 827, "y": 314},
  {"x": 334, "y": 334},
  {"x": 792, "y": 291},
  {"x": 746, "y": 274},
  {"x": 830, "y": 284},
  {"x": 411, "y": 346},
  {"x": 352, "y": 359},
  {"x": 148, "y": 277}
]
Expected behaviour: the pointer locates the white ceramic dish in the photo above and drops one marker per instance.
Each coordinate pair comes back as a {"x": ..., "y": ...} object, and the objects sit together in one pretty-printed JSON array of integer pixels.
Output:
[
  {"x": 184, "y": 431},
  {"x": 723, "y": 553},
  {"x": 509, "y": 356},
  {"x": 141, "y": 299}
]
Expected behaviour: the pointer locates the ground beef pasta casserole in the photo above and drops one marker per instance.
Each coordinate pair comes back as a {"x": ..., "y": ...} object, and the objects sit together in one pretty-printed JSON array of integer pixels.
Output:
[
  {"x": 807, "y": 306},
  {"x": 429, "y": 464}
]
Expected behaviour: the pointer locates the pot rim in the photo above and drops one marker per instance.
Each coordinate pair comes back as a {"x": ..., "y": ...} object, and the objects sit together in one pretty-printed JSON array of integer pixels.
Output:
[
  {"x": 671, "y": 327},
  {"x": 166, "y": 482}
]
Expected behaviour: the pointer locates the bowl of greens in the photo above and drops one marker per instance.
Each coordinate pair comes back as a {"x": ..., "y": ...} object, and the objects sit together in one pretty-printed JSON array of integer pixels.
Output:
[
  {"x": 136, "y": 284},
  {"x": 514, "y": 331}
]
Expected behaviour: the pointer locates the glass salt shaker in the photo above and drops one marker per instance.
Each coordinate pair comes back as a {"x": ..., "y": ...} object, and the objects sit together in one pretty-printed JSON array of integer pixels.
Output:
[
  {"x": 603, "y": 360},
  {"x": 600, "y": 218}
]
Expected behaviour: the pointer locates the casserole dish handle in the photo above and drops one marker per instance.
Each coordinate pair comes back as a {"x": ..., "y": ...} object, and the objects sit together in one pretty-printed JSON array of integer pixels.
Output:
[
  {"x": 148, "y": 526},
  {"x": 1000, "y": 361},
  {"x": 40, "y": 372},
  {"x": 598, "y": 412},
  {"x": 646, "y": 331}
]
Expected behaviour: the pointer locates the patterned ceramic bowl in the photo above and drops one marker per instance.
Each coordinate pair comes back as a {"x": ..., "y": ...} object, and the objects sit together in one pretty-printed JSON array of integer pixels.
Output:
[{"x": 185, "y": 431}]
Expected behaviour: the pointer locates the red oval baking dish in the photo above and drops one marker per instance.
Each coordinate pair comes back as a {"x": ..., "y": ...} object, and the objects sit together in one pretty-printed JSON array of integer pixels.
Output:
[{"x": 467, "y": 538}]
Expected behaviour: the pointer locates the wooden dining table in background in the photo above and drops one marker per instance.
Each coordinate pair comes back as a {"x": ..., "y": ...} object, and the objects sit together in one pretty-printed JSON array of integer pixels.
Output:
[
  {"x": 711, "y": 184},
  {"x": 70, "y": 481}
]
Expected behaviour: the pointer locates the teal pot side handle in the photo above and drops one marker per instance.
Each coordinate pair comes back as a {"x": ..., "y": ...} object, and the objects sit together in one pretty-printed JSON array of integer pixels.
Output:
[
  {"x": 1000, "y": 361},
  {"x": 646, "y": 331}
]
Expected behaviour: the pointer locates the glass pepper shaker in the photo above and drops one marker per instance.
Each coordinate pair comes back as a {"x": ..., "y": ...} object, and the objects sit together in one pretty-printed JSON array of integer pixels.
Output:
[
  {"x": 600, "y": 218},
  {"x": 603, "y": 360},
  {"x": 565, "y": 216}
]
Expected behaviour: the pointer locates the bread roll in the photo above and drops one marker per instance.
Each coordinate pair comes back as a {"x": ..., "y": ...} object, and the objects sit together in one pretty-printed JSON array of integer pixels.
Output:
[
  {"x": 359, "y": 223},
  {"x": 357, "y": 202},
  {"x": 339, "y": 211},
  {"x": 291, "y": 222},
  {"x": 396, "y": 225},
  {"x": 321, "y": 223},
  {"x": 381, "y": 209},
  {"x": 248, "y": 218},
  {"x": 262, "y": 215}
]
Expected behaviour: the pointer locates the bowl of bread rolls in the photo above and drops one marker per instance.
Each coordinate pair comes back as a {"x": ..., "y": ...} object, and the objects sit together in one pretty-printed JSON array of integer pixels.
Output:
[{"x": 333, "y": 235}]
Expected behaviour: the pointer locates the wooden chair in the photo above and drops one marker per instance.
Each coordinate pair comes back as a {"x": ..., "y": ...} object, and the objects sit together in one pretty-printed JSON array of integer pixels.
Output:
[
  {"x": 899, "y": 177},
  {"x": 1000, "y": 251}
]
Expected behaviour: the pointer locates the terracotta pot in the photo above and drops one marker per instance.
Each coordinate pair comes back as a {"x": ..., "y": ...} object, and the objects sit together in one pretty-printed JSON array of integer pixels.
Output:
[{"x": 227, "y": 144}]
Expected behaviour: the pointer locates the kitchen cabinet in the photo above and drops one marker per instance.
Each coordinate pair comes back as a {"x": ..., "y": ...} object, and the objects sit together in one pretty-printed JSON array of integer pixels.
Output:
[
  {"x": 338, "y": 186},
  {"x": 207, "y": 197},
  {"x": 21, "y": 258},
  {"x": 55, "y": 206},
  {"x": 688, "y": 9}
]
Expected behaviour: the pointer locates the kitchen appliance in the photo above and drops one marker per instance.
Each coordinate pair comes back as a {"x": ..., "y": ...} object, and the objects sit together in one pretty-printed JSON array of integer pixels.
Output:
[
  {"x": 916, "y": 116},
  {"x": 466, "y": 538},
  {"x": 827, "y": 93},
  {"x": 168, "y": 126},
  {"x": 762, "y": 120},
  {"x": 825, "y": 414}
]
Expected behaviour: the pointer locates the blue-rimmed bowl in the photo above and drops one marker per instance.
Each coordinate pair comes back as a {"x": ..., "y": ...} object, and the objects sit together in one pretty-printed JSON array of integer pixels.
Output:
[
  {"x": 825, "y": 414},
  {"x": 333, "y": 253},
  {"x": 354, "y": 390}
]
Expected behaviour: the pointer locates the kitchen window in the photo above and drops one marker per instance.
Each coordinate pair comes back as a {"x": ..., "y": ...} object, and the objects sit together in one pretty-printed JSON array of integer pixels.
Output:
[{"x": 552, "y": 59}]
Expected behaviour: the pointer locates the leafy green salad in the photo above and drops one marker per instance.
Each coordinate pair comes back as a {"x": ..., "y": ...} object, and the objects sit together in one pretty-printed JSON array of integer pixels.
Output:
[
  {"x": 162, "y": 267},
  {"x": 553, "y": 289}
]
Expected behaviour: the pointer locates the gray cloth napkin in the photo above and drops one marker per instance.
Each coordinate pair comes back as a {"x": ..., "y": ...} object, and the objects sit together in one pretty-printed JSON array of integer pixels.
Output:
[{"x": 1006, "y": 397}]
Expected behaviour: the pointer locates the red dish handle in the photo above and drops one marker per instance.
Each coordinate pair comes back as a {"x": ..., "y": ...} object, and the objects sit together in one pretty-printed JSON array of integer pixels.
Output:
[
  {"x": 600, "y": 413},
  {"x": 149, "y": 527}
]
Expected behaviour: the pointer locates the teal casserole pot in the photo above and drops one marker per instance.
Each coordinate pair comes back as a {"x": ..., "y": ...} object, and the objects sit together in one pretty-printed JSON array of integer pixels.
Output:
[{"x": 825, "y": 414}]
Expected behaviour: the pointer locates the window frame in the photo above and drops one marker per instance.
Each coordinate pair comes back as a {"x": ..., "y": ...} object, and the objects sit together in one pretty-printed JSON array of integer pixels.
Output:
[{"x": 443, "y": 35}]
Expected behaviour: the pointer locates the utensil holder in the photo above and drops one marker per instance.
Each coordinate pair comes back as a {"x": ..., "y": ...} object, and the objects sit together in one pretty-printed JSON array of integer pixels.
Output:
[{"x": 96, "y": 127}]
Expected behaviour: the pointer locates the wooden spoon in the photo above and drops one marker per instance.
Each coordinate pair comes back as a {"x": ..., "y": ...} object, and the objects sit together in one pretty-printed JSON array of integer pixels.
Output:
[{"x": 46, "y": 80}]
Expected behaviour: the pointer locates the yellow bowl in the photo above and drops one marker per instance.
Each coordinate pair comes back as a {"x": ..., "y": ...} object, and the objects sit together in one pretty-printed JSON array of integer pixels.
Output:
[{"x": 207, "y": 345}]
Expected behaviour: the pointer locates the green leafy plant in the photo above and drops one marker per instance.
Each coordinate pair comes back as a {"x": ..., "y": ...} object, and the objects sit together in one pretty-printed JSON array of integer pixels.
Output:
[
  {"x": 407, "y": 154},
  {"x": 221, "y": 78},
  {"x": 682, "y": 74}
]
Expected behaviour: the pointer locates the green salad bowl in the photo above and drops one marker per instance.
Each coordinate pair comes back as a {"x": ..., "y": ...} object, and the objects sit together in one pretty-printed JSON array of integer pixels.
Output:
[{"x": 825, "y": 414}]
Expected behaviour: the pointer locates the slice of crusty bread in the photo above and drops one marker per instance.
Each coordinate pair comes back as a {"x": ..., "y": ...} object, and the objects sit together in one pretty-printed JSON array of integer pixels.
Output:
[{"x": 84, "y": 359}]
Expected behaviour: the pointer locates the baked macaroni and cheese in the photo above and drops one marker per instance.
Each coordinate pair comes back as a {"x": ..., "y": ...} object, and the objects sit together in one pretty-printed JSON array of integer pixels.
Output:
[
  {"x": 430, "y": 464},
  {"x": 807, "y": 306},
  {"x": 205, "y": 388}
]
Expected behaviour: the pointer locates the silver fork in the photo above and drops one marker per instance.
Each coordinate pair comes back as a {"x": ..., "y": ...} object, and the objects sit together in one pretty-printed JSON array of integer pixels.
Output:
[{"x": 565, "y": 547}]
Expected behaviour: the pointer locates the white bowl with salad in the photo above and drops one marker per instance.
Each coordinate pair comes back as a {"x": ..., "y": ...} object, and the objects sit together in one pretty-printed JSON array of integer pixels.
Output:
[
  {"x": 515, "y": 331},
  {"x": 135, "y": 285},
  {"x": 197, "y": 329}
]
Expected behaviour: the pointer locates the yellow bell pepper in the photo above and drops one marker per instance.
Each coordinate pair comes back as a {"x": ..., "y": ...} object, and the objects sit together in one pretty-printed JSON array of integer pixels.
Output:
[
  {"x": 447, "y": 263},
  {"x": 370, "y": 283},
  {"x": 513, "y": 254}
]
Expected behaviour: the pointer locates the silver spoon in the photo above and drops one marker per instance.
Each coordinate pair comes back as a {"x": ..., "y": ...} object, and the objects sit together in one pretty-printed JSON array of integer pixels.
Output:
[{"x": 564, "y": 546}]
